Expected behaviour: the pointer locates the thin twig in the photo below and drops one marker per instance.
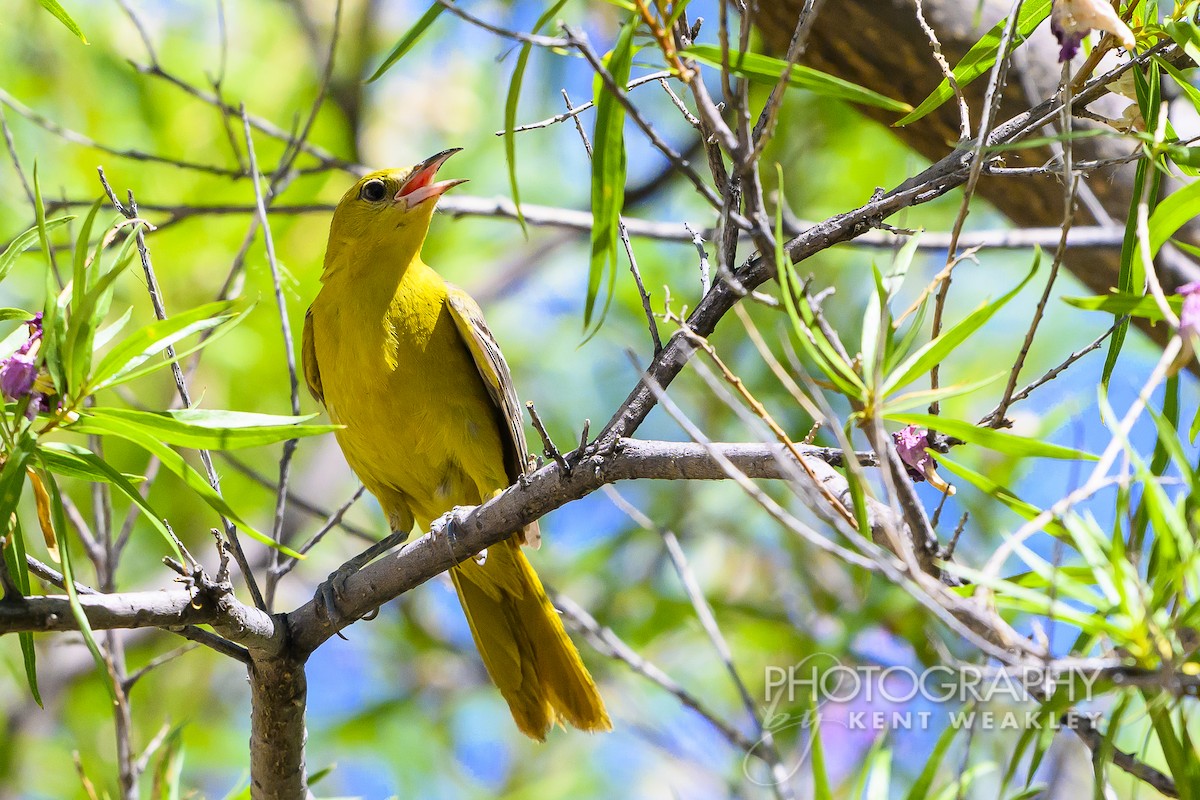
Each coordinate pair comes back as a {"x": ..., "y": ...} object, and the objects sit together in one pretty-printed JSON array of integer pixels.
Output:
[
  {"x": 130, "y": 212},
  {"x": 991, "y": 108},
  {"x": 289, "y": 447}
]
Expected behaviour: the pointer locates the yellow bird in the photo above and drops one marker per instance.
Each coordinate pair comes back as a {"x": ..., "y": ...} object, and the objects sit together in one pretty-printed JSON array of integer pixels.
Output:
[{"x": 406, "y": 363}]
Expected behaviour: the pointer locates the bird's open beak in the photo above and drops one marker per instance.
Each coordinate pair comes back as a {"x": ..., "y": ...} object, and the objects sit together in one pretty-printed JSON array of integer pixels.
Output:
[{"x": 420, "y": 186}]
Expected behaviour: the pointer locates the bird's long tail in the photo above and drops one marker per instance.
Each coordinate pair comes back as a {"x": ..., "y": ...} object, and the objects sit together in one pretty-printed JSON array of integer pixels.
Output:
[{"x": 524, "y": 647}]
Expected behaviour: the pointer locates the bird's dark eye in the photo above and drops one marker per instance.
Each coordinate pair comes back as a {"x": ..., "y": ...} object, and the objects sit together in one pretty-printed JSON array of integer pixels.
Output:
[{"x": 373, "y": 191}]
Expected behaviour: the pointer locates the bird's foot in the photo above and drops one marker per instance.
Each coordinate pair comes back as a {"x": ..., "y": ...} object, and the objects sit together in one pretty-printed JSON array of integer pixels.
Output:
[
  {"x": 446, "y": 528},
  {"x": 331, "y": 596}
]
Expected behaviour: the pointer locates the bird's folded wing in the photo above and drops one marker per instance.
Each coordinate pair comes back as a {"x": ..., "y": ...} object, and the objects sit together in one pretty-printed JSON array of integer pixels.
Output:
[
  {"x": 308, "y": 357},
  {"x": 494, "y": 371}
]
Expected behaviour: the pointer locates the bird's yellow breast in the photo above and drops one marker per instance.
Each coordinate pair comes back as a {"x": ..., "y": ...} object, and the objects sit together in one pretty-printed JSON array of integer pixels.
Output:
[{"x": 420, "y": 428}]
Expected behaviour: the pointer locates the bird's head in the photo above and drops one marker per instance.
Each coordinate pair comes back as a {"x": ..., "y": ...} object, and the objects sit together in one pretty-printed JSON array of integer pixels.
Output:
[{"x": 390, "y": 209}]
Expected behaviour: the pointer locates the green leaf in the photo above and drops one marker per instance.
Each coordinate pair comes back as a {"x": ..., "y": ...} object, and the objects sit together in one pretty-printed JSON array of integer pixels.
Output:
[
  {"x": 804, "y": 326},
  {"x": 62, "y": 16},
  {"x": 1131, "y": 276},
  {"x": 24, "y": 241},
  {"x": 1172, "y": 213},
  {"x": 875, "y": 319},
  {"x": 109, "y": 332},
  {"x": 820, "y": 772},
  {"x": 1026, "y": 511},
  {"x": 7, "y": 314},
  {"x": 18, "y": 568},
  {"x": 144, "y": 343},
  {"x": 64, "y": 550},
  {"x": 79, "y": 279},
  {"x": 170, "y": 767},
  {"x": 12, "y": 482},
  {"x": 876, "y": 776},
  {"x": 90, "y": 300},
  {"x": 765, "y": 69},
  {"x": 936, "y": 350},
  {"x": 79, "y": 462},
  {"x": 924, "y": 782},
  {"x": 982, "y": 55},
  {"x": 410, "y": 38},
  {"x": 204, "y": 429},
  {"x": 608, "y": 174},
  {"x": 903, "y": 402},
  {"x": 1000, "y": 441},
  {"x": 12, "y": 476},
  {"x": 510, "y": 111},
  {"x": 1011, "y": 595},
  {"x": 52, "y": 321},
  {"x": 959, "y": 786},
  {"x": 1122, "y": 303},
  {"x": 173, "y": 461}
]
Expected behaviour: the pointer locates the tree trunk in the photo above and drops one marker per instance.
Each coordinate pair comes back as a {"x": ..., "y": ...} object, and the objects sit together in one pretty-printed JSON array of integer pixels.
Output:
[
  {"x": 879, "y": 44},
  {"x": 278, "y": 691}
]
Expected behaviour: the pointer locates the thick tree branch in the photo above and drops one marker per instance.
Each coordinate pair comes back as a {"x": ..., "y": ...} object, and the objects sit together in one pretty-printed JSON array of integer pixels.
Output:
[
  {"x": 543, "y": 491},
  {"x": 164, "y": 609},
  {"x": 546, "y": 490}
]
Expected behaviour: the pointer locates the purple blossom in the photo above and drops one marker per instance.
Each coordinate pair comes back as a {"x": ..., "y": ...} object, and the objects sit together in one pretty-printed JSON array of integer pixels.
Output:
[
  {"x": 911, "y": 443},
  {"x": 1189, "y": 315},
  {"x": 1068, "y": 42},
  {"x": 19, "y": 372},
  {"x": 1071, "y": 20}
]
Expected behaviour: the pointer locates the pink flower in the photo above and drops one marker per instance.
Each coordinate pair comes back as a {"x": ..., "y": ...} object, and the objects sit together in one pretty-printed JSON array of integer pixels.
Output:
[
  {"x": 1071, "y": 20},
  {"x": 911, "y": 443},
  {"x": 1189, "y": 315},
  {"x": 19, "y": 371},
  {"x": 20, "y": 376}
]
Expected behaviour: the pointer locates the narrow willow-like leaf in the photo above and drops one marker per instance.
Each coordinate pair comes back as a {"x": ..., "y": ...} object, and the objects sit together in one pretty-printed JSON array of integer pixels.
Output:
[
  {"x": 204, "y": 429},
  {"x": 924, "y": 782},
  {"x": 1026, "y": 511},
  {"x": 811, "y": 339},
  {"x": 142, "y": 344},
  {"x": 79, "y": 280},
  {"x": 875, "y": 320},
  {"x": 79, "y": 462},
  {"x": 26, "y": 240},
  {"x": 936, "y": 350},
  {"x": 170, "y": 767},
  {"x": 766, "y": 70},
  {"x": 52, "y": 323},
  {"x": 1172, "y": 213},
  {"x": 960, "y": 786},
  {"x": 60, "y": 14},
  {"x": 876, "y": 776},
  {"x": 1131, "y": 277},
  {"x": 982, "y": 55},
  {"x": 608, "y": 176},
  {"x": 1000, "y": 441},
  {"x": 81, "y": 620},
  {"x": 174, "y": 462},
  {"x": 410, "y": 38},
  {"x": 903, "y": 402},
  {"x": 110, "y": 331},
  {"x": 510, "y": 111},
  {"x": 821, "y": 789},
  {"x": 86, "y": 317},
  {"x": 18, "y": 568},
  {"x": 1122, "y": 303}
]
